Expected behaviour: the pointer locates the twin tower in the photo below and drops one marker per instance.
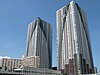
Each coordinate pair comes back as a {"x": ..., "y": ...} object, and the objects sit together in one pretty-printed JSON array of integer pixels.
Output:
[{"x": 74, "y": 54}]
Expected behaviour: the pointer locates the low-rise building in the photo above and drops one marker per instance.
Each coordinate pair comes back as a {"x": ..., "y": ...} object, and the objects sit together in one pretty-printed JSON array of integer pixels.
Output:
[
  {"x": 31, "y": 61},
  {"x": 9, "y": 64},
  {"x": 37, "y": 71}
]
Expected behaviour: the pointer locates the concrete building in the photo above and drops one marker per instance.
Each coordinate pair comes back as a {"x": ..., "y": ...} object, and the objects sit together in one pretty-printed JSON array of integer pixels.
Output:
[
  {"x": 74, "y": 53},
  {"x": 39, "y": 42},
  {"x": 9, "y": 64},
  {"x": 31, "y": 61},
  {"x": 37, "y": 71},
  {"x": 31, "y": 71}
]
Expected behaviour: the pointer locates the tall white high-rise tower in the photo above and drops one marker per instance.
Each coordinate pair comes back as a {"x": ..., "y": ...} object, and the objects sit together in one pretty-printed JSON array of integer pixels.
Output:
[
  {"x": 74, "y": 54},
  {"x": 39, "y": 42}
]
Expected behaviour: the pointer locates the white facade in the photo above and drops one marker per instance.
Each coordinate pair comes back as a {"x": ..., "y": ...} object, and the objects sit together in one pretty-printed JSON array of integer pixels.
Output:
[
  {"x": 0, "y": 62},
  {"x": 31, "y": 61},
  {"x": 73, "y": 41},
  {"x": 9, "y": 64},
  {"x": 39, "y": 42},
  {"x": 44, "y": 71}
]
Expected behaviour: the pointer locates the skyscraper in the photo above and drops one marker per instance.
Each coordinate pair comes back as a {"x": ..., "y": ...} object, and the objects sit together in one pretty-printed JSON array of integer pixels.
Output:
[
  {"x": 39, "y": 42},
  {"x": 74, "y": 54}
]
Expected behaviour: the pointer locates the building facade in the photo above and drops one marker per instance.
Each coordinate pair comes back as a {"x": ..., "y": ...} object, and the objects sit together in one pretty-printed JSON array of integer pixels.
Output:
[
  {"x": 74, "y": 54},
  {"x": 39, "y": 42},
  {"x": 9, "y": 64},
  {"x": 95, "y": 70},
  {"x": 37, "y": 71},
  {"x": 31, "y": 61}
]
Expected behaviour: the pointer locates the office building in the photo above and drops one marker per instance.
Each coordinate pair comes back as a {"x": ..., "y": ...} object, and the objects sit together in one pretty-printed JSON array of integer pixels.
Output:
[
  {"x": 74, "y": 53},
  {"x": 39, "y": 42},
  {"x": 9, "y": 64}
]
